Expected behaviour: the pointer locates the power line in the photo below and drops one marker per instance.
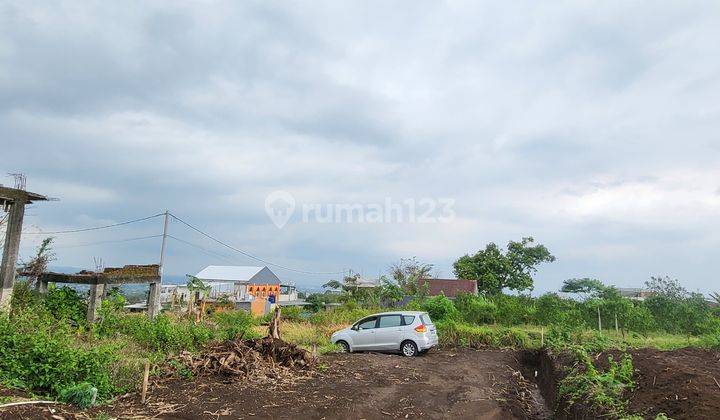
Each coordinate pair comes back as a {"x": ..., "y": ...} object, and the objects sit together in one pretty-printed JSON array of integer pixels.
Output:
[
  {"x": 95, "y": 227},
  {"x": 205, "y": 250},
  {"x": 107, "y": 242},
  {"x": 207, "y": 235}
]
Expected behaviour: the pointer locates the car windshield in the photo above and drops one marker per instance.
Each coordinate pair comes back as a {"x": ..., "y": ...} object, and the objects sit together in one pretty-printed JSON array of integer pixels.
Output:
[{"x": 426, "y": 319}]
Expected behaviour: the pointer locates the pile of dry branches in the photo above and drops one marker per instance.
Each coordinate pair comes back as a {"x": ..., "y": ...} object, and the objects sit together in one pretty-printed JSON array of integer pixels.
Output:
[{"x": 250, "y": 359}]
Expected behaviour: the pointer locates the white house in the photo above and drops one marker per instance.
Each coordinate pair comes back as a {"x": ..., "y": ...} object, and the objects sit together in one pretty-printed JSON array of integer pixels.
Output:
[{"x": 232, "y": 281}]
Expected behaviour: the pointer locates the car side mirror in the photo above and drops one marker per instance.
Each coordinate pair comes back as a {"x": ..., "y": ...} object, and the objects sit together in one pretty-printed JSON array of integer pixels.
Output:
[{"x": 355, "y": 327}]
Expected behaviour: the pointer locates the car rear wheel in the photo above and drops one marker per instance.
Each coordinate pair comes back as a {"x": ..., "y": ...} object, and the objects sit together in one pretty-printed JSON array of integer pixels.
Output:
[
  {"x": 409, "y": 349},
  {"x": 344, "y": 346}
]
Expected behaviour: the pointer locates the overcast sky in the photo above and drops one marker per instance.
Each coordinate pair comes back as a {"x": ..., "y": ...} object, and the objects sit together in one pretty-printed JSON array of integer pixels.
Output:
[{"x": 592, "y": 126}]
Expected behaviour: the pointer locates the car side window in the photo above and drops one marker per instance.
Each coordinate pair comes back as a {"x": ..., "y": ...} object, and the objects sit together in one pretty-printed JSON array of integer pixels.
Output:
[
  {"x": 390, "y": 321},
  {"x": 409, "y": 319},
  {"x": 367, "y": 324}
]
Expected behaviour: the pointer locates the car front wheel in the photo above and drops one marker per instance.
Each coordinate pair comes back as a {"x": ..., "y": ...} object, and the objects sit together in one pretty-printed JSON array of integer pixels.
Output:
[
  {"x": 409, "y": 349},
  {"x": 344, "y": 346}
]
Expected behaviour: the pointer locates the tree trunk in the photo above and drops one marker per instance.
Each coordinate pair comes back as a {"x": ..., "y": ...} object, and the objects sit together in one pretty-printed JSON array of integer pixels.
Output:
[{"x": 274, "y": 328}]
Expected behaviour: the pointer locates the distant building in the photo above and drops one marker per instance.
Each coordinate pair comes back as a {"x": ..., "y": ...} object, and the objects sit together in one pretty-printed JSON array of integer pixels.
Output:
[
  {"x": 449, "y": 287},
  {"x": 367, "y": 283},
  {"x": 634, "y": 293},
  {"x": 246, "y": 286}
]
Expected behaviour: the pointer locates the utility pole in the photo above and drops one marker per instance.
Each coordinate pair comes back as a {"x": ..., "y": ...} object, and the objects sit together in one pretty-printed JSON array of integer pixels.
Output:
[{"x": 154, "y": 294}]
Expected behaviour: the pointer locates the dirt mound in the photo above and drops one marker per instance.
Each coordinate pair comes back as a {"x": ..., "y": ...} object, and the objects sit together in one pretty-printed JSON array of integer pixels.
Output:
[
  {"x": 258, "y": 358},
  {"x": 684, "y": 384}
]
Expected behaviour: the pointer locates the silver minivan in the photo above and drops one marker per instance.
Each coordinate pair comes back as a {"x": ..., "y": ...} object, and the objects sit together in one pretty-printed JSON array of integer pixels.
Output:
[{"x": 409, "y": 332}]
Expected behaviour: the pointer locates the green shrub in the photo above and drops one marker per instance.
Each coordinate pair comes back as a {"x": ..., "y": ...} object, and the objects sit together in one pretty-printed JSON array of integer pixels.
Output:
[
  {"x": 83, "y": 395},
  {"x": 39, "y": 354},
  {"x": 475, "y": 309},
  {"x": 459, "y": 334},
  {"x": 514, "y": 310},
  {"x": 291, "y": 313},
  {"x": 164, "y": 334},
  {"x": 440, "y": 308},
  {"x": 601, "y": 389},
  {"x": 234, "y": 324},
  {"x": 66, "y": 304}
]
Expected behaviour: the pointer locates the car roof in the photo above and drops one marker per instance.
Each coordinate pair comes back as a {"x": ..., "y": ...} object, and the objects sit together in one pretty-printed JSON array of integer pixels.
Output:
[{"x": 399, "y": 313}]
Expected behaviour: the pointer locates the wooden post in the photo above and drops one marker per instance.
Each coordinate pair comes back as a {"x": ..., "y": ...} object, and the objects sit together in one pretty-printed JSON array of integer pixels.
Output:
[
  {"x": 274, "y": 328},
  {"x": 599, "y": 319},
  {"x": 96, "y": 291},
  {"x": 10, "y": 253},
  {"x": 542, "y": 337},
  {"x": 617, "y": 329},
  {"x": 146, "y": 377}
]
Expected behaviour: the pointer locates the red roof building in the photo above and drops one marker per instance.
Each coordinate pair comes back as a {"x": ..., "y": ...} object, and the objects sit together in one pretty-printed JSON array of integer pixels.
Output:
[{"x": 449, "y": 287}]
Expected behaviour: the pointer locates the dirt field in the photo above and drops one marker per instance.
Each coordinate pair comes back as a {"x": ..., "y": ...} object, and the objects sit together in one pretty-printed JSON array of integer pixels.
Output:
[
  {"x": 686, "y": 385},
  {"x": 461, "y": 383},
  {"x": 442, "y": 384}
]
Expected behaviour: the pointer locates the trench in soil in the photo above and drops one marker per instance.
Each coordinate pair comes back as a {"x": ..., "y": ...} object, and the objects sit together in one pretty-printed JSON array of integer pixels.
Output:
[{"x": 546, "y": 371}]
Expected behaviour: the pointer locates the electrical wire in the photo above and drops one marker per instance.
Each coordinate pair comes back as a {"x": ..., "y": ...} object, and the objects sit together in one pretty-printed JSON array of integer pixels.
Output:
[
  {"x": 107, "y": 242},
  {"x": 207, "y": 235},
  {"x": 57, "y": 232},
  {"x": 205, "y": 250}
]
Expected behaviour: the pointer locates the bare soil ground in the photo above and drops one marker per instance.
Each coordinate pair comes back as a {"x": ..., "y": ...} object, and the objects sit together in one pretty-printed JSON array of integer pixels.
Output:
[
  {"x": 684, "y": 384},
  {"x": 453, "y": 384},
  {"x": 446, "y": 383}
]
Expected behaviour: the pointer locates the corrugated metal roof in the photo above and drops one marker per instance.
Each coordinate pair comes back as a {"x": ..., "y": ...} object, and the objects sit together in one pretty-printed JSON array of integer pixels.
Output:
[{"x": 229, "y": 272}]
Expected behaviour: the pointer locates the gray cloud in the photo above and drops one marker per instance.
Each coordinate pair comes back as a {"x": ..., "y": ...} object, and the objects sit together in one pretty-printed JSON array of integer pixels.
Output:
[{"x": 590, "y": 126}]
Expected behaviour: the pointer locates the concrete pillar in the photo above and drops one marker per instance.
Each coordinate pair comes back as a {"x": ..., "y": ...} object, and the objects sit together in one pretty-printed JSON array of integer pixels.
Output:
[
  {"x": 41, "y": 287},
  {"x": 10, "y": 253},
  {"x": 153, "y": 302},
  {"x": 94, "y": 302}
]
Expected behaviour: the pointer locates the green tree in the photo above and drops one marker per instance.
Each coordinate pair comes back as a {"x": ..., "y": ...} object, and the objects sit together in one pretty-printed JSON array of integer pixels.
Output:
[
  {"x": 408, "y": 274},
  {"x": 496, "y": 270},
  {"x": 585, "y": 287},
  {"x": 389, "y": 292}
]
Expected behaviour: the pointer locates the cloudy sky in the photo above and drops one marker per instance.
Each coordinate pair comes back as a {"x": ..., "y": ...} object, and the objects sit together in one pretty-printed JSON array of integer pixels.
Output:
[{"x": 592, "y": 126}]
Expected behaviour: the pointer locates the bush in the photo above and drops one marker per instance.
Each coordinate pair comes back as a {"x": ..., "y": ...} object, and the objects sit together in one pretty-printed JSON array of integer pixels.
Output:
[
  {"x": 440, "y": 308},
  {"x": 164, "y": 334},
  {"x": 452, "y": 333},
  {"x": 41, "y": 355},
  {"x": 475, "y": 309},
  {"x": 66, "y": 304},
  {"x": 234, "y": 324},
  {"x": 601, "y": 389},
  {"x": 291, "y": 313},
  {"x": 514, "y": 310}
]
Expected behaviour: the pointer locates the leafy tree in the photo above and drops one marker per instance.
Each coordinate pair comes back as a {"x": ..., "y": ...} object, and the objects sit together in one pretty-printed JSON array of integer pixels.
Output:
[
  {"x": 496, "y": 270},
  {"x": 675, "y": 309},
  {"x": 408, "y": 273},
  {"x": 389, "y": 292},
  {"x": 585, "y": 287}
]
